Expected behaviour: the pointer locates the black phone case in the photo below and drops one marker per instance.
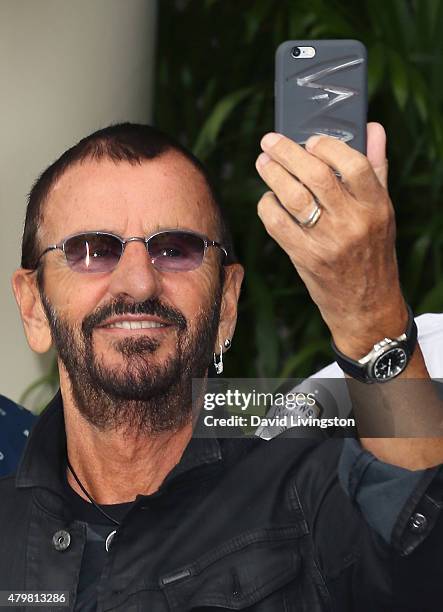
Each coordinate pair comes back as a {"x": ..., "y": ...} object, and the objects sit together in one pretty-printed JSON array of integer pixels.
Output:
[{"x": 326, "y": 94}]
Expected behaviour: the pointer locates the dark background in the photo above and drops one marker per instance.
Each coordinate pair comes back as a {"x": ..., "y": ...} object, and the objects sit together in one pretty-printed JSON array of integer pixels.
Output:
[{"x": 214, "y": 91}]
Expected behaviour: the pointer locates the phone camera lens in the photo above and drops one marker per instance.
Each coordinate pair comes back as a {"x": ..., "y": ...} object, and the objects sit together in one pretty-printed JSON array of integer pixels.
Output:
[{"x": 295, "y": 52}]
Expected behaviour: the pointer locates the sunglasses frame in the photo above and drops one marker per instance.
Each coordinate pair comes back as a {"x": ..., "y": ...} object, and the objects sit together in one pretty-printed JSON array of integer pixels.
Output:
[{"x": 124, "y": 241}]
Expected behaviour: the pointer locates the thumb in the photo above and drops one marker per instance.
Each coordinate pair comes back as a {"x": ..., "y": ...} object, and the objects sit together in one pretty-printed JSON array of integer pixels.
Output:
[{"x": 377, "y": 151}]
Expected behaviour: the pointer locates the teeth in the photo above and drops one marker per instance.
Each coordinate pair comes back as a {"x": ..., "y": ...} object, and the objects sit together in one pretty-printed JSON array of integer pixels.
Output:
[{"x": 136, "y": 325}]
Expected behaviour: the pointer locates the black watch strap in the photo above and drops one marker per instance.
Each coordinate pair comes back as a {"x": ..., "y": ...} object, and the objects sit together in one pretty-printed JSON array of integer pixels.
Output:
[{"x": 356, "y": 369}]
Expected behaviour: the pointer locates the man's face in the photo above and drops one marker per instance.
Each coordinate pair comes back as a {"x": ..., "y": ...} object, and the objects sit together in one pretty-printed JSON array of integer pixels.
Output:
[{"x": 139, "y": 377}]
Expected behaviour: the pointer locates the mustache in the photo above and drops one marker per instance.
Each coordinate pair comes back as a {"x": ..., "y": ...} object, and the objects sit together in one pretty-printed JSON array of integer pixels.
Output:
[{"x": 153, "y": 307}]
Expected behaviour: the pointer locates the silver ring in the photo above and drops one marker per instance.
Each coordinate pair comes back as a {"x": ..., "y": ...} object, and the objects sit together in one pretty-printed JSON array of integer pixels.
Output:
[{"x": 313, "y": 217}]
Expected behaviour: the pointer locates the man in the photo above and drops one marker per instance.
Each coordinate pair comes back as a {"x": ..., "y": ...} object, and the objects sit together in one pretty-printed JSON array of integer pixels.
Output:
[
  {"x": 15, "y": 425},
  {"x": 127, "y": 268}
]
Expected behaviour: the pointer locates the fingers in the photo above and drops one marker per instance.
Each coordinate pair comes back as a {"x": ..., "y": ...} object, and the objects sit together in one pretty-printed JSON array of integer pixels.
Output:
[
  {"x": 278, "y": 223},
  {"x": 309, "y": 170},
  {"x": 297, "y": 200},
  {"x": 346, "y": 257},
  {"x": 377, "y": 151},
  {"x": 355, "y": 169},
  {"x": 362, "y": 177}
]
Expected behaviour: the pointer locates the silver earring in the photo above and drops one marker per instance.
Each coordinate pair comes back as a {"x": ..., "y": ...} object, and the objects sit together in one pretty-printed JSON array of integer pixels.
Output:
[
  {"x": 227, "y": 343},
  {"x": 218, "y": 361}
]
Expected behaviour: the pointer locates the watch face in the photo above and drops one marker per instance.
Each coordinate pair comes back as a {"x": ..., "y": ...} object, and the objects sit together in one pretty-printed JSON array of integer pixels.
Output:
[{"x": 390, "y": 364}]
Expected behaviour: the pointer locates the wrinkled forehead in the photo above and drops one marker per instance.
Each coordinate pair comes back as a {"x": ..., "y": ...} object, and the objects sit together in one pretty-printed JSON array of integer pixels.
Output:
[{"x": 129, "y": 199}]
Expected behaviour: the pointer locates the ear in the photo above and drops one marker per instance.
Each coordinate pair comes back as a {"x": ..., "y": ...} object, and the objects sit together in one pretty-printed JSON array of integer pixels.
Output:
[
  {"x": 228, "y": 312},
  {"x": 31, "y": 309}
]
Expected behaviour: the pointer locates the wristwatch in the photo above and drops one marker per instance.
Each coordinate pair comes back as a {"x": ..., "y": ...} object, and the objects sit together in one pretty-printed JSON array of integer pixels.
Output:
[{"x": 387, "y": 359}]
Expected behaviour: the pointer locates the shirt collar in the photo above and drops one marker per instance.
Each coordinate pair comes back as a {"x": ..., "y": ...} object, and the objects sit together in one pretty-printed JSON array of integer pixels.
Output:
[{"x": 43, "y": 461}]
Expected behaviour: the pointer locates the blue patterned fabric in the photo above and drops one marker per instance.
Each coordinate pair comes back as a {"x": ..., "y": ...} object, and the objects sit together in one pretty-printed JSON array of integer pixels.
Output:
[{"x": 15, "y": 424}]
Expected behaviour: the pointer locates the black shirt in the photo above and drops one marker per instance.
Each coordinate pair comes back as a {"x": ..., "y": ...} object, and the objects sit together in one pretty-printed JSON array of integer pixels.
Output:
[{"x": 98, "y": 529}]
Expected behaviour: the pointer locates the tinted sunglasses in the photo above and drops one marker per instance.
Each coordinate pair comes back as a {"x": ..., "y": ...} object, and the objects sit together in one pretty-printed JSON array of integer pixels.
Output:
[{"x": 100, "y": 252}]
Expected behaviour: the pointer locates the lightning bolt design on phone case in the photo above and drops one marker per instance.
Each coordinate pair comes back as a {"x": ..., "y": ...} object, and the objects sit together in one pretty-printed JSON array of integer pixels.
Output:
[{"x": 324, "y": 94}]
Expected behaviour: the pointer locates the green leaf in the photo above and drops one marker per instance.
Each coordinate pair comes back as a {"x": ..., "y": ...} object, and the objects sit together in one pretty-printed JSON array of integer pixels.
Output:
[
  {"x": 418, "y": 89},
  {"x": 265, "y": 327},
  {"x": 433, "y": 299},
  {"x": 46, "y": 386},
  {"x": 212, "y": 126},
  {"x": 416, "y": 263},
  {"x": 399, "y": 78},
  {"x": 376, "y": 68},
  {"x": 297, "y": 360},
  {"x": 255, "y": 18}
]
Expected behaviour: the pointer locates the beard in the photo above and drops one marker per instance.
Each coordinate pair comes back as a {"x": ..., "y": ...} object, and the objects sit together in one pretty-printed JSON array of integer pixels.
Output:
[{"x": 138, "y": 397}]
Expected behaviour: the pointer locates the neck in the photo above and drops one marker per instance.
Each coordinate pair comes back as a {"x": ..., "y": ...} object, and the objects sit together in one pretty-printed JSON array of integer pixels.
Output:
[{"x": 115, "y": 466}]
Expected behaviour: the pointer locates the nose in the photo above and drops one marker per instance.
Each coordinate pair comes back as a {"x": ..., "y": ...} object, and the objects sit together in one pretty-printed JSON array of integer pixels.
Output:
[{"x": 135, "y": 277}]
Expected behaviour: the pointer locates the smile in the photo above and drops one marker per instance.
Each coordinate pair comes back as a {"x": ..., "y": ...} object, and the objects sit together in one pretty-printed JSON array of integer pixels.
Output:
[{"x": 135, "y": 325}]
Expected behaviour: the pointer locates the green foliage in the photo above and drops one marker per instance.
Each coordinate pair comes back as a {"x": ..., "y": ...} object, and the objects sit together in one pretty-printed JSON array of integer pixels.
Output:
[
  {"x": 38, "y": 393},
  {"x": 214, "y": 91}
]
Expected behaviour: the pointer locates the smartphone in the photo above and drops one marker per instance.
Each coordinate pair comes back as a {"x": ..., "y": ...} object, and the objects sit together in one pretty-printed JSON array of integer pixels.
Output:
[{"x": 321, "y": 88}]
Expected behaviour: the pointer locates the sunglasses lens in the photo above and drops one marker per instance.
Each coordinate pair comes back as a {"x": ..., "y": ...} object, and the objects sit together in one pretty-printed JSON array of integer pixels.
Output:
[
  {"x": 176, "y": 251},
  {"x": 93, "y": 253}
]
